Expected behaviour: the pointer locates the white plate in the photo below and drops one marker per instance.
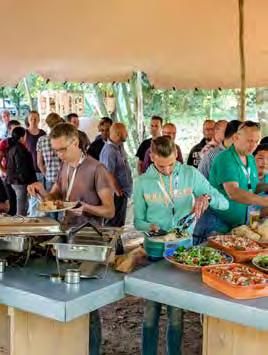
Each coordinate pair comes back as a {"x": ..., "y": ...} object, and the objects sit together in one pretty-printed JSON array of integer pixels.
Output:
[{"x": 67, "y": 206}]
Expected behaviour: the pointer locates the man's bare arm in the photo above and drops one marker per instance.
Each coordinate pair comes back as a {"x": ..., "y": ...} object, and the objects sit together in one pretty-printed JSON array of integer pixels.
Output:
[
  {"x": 140, "y": 167},
  {"x": 41, "y": 163},
  {"x": 239, "y": 195},
  {"x": 106, "y": 209}
]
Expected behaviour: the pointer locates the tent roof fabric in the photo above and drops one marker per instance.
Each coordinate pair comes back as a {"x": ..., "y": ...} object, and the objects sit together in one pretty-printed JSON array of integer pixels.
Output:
[{"x": 182, "y": 43}]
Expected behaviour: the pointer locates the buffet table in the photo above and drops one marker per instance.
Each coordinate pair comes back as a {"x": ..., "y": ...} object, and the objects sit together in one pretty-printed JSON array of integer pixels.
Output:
[
  {"x": 39, "y": 317},
  {"x": 230, "y": 327}
]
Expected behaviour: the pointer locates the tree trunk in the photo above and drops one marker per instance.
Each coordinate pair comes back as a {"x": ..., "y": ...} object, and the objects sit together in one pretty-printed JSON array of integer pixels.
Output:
[{"x": 30, "y": 100}]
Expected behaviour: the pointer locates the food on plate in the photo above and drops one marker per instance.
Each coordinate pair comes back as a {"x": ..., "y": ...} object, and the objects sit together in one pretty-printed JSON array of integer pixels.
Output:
[
  {"x": 199, "y": 256},
  {"x": 51, "y": 205},
  {"x": 169, "y": 237},
  {"x": 237, "y": 243},
  {"x": 245, "y": 231},
  {"x": 262, "y": 229},
  {"x": 261, "y": 261},
  {"x": 238, "y": 275}
]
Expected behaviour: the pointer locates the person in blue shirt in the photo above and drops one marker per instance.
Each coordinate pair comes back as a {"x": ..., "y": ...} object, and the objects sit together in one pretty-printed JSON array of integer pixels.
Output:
[{"x": 113, "y": 156}]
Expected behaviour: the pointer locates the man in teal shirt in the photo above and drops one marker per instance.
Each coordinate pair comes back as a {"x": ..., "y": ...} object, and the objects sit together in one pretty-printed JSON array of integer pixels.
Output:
[
  {"x": 164, "y": 194},
  {"x": 235, "y": 175}
]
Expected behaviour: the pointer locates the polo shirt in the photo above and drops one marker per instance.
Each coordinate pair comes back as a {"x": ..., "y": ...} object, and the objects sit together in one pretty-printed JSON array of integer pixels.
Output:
[{"x": 228, "y": 167}]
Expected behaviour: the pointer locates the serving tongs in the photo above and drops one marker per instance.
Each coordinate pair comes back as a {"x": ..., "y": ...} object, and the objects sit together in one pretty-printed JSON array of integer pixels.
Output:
[
  {"x": 71, "y": 232},
  {"x": 185, "y": 222}
]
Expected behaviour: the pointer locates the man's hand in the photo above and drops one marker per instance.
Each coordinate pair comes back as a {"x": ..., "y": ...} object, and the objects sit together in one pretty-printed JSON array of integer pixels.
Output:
[
  {"x": 36, "y": 188},
  {"x": 154, "y": 228},
  {"x": 78, "y": 211},
  {"x": 201, "y": 204}
]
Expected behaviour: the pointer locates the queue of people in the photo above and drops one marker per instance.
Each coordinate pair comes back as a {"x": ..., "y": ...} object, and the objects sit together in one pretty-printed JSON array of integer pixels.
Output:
[{"x": 225, "y": 175}]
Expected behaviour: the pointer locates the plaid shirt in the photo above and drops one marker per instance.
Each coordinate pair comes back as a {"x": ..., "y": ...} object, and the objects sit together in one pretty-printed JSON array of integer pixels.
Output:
[
  {"x": 205, "y": 163},
  {"x": 52, "y": 162}
]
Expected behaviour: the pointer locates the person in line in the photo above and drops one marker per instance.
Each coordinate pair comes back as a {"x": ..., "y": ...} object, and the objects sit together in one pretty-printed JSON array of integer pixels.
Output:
[
  {"x": 83, "y": 179},
  {"x": 261, "y": 158},
  {"x": 83, "y": 138},
  {"x": 234, "y": 174},
  {"x": 33, "y": 133},
  {"x": 205, "y": 163},
  {"x": 20, "y": 168},
  {"x": 169, "y": 129},
  {"x": 3, "y": 168},
  {"x": 167, "y": 192},
  {"x": 4, "y": 202},
  {"x": 114, "y": 157},
  {"x": 218, "y": 137},
  {"x": 208, "y": 132},
  {"x": 156, "y": 127},
  {"x": 104, "y": 132},
  {"x": 5, "y": 115}
]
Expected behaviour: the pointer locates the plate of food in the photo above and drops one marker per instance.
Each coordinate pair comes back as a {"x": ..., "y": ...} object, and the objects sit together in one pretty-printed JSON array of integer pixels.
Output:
[
  {"x": 261, "y": 262},
  {"x": 194, "y": 258},
  {"x": 55, "y": 206},
  {"x": 241, "y": 248},
  {"x": 236, "y": 280}
]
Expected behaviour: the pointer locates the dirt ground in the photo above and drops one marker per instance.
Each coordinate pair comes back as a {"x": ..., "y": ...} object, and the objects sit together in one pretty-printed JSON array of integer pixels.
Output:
[{"x": 121, "y": 326}]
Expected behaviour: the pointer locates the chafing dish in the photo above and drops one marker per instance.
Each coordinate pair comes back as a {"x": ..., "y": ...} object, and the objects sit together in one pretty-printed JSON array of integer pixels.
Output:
[{"x": 14, "y": 243}]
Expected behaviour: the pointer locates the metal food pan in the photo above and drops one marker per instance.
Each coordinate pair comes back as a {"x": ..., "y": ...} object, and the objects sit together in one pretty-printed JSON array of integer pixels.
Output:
[
  {"x": 96, "y": 251},
  {"x": 14, "y": 243}
]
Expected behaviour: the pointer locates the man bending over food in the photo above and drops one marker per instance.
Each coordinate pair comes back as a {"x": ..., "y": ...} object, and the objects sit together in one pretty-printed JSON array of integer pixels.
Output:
[
  {"x": 167, "y": 192},
  {"x": 81, "y": 179}
]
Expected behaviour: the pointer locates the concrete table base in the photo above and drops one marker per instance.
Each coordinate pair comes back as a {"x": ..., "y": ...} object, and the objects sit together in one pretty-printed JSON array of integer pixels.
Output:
[{"x": 24, "y": 333}]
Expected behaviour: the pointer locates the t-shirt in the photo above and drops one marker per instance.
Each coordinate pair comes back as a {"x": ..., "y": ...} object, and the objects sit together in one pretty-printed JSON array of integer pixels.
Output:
[
  {"x": 3, "y": 193},
  {"x": 95, "y": 148},
  {"x": 31, "y": 142},
  {"x": 145, "y": 145},
  {"x": 194, "y": 155},
  {"x": 91, "y": 177},
  {"x": 228, "y": 167}
]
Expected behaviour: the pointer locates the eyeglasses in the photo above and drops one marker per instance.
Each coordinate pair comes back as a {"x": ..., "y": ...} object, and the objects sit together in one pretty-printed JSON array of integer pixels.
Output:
[
  {"x": 249, "y": 124},
  {"x": 63, "y": 149}
]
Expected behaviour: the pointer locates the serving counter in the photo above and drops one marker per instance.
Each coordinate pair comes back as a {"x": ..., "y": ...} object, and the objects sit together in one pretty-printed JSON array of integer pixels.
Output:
[
  {"x": 39, "y": 317},
  {"x": 230, "y": 327}
]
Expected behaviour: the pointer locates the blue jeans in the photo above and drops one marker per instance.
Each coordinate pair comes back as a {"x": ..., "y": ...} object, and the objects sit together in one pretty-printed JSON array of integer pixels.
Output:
[
  {"x": 33, "y": 201},
  {"x": 150, "y": 331},
  {"x": 207, "y": 225},
  {"x": 22, "y": 199},
  {"x": 94, "y": 333}
]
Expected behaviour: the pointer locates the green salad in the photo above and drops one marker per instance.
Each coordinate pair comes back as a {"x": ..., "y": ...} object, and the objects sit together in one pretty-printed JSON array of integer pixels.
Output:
[
  {"x": 199, "y": 256},
  {"x": 262, "y": 261}
]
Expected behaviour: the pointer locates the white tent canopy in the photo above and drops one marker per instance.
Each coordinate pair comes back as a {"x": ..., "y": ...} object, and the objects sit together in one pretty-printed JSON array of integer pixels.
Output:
[{"x": 178, "y": 43}]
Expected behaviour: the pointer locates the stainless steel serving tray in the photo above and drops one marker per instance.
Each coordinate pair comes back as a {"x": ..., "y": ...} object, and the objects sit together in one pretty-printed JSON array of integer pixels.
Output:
[
  {"x": 97, "y": 251},
  {"x": 14, "y": 243}
]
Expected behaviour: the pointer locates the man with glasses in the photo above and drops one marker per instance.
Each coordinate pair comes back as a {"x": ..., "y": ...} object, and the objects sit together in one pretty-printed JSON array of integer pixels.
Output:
[
  {"x": 82, "y": 179},
  {"x": 235, "y": 175}
]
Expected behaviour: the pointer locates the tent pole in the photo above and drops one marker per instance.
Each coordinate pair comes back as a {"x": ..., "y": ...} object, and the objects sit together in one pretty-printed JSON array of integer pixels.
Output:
[
  {"x": 139, "y": 106},
  {"x": 242, "y": 61}
]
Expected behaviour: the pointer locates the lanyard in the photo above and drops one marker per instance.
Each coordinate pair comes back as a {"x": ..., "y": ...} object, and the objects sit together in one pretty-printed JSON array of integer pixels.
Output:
[
  {"x": 169, "y": 195},
  {"x": 247, "y": 175},
  {"x": 70, "y": 185}
]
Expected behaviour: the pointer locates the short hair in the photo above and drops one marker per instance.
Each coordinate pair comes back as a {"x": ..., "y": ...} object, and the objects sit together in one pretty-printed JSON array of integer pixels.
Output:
[
  {"x": 53, "y": 119},
  {"x": 264, "y": 140},
  {"x": 12, "y": 123},
  {"x": 64, "y": 130},
  {"x": 17, "y": 133},
  {"x": 163, "y": 146},
  {"x": 261, "y": 147},
  {"x": 249, "y": 124},
  {"x": 231, "y": 128},
  {"x": 169, "y": 124},
  {"x": 106, "y": 120},
  {"x": 157, "y": 118},
  {"x": 70, "y": 116},
  {"x": 6, "y": 112},
  {"x": 34, "y": 112},
  {"x": 208, "y": 120}
]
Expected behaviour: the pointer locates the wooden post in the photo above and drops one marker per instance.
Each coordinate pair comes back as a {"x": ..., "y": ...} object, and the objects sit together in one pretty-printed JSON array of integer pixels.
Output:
[
  {"x": 242, "y": 62},
  {"x": 225, "y": 338},
  {"x": 139, "y": 112}
]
